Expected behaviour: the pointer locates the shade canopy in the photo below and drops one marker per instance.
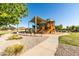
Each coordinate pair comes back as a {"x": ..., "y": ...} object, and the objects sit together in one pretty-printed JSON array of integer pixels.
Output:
[{"x": 38, "y": 20}]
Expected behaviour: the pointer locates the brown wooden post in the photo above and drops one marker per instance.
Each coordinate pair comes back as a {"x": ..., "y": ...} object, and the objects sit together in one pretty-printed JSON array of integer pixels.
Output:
[{"x": 36, "y": 24}]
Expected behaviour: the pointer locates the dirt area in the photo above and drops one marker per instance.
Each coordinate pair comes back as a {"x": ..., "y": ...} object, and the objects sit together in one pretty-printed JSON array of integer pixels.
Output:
[{"x": 67, "y": 50}]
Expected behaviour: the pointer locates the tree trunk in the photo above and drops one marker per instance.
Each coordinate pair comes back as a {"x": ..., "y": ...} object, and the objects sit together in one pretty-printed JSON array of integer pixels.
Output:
[{"x": 17, "y": 28}]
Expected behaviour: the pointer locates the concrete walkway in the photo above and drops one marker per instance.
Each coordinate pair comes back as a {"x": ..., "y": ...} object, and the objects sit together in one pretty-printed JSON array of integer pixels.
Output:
[{"x": 46, "y": 48}]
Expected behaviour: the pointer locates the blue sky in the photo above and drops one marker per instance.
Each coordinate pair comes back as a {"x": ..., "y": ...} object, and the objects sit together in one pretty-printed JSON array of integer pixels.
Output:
[{"x": 65, "y": 14}]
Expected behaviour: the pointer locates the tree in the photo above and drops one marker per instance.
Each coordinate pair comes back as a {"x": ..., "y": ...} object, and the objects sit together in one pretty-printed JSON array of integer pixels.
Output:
[
  {"x": 68, "y": 28},
  {"x": 10, "y": 13},
  {"x": 59, "y": 27},
  {"x": 73, "y": 28},
  {"x": 77, "y": 28}
]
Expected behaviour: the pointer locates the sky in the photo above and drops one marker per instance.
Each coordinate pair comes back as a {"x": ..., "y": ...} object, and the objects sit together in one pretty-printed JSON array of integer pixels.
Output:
[{"x": 65, "y": 14}]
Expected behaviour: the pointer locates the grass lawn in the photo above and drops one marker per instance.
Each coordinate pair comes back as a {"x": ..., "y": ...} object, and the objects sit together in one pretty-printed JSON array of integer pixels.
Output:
[{"x": 72, "y": 39}]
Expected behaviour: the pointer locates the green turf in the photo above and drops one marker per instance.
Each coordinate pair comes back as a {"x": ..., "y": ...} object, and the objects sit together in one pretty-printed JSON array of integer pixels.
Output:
[{"x": 72, "y": 39}]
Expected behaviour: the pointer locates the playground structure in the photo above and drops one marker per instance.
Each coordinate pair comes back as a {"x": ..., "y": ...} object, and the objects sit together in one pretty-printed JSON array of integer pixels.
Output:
[{"x": 42, "y": 26}]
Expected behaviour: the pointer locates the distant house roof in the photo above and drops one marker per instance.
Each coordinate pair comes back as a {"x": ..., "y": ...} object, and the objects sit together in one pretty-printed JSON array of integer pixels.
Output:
[
  {"x": 38, "y": 20},
  {"x": 21, "y": 28}
]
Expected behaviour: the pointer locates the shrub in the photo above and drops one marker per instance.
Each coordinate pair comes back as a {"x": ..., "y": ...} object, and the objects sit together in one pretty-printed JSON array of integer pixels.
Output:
[
  {"x": 13, "y": 49},
  {"x": 14, "y": 37},
  {"x": 2, "y": 34}
]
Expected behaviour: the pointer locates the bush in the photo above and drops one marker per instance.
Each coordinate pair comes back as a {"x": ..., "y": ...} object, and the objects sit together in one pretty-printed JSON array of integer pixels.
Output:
[
  {"x": 14, "y": 37},
  {"x": 13, "y": 50},
  {"x": 2, "y": 34}
]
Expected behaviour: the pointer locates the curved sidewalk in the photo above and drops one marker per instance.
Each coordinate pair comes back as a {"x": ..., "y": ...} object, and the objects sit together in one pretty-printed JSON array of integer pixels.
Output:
[{"x": 46, "y": 48}]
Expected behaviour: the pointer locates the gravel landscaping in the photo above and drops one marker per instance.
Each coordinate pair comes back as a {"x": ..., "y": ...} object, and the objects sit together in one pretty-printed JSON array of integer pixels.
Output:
[
  {"x": 68, "y": 45},
  {"x": 31, "y": 41},
  {"x": 67, "y": 50},
  {"x": 28, "y": 42}
]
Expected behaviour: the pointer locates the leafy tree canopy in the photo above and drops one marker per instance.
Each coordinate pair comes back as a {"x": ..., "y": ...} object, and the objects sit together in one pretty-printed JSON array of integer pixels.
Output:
[{"x": 10, "y": 13}]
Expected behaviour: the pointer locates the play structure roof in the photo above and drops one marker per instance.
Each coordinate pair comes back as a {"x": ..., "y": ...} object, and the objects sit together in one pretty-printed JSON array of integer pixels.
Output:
[
  {"x": 50, "y": 20},
  {"x": 38, "y": 20}
]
